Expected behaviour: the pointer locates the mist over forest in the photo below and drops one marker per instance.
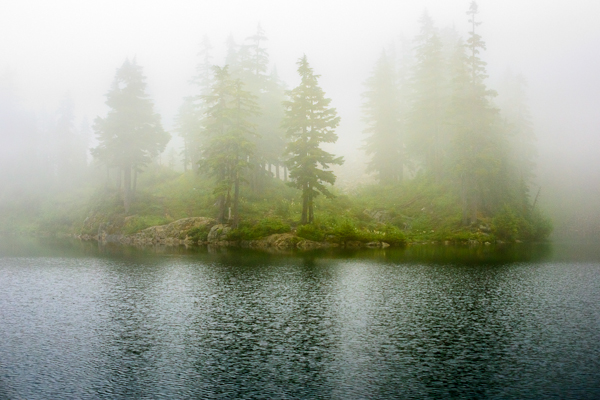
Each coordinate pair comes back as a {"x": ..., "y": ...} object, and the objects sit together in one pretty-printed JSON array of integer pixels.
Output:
[{"x": 493, "y": 104}]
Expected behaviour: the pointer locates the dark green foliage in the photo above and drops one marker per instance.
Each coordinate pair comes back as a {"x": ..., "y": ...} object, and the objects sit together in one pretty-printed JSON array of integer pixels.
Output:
[
  {"x": 229, "y": 145},
  {"x": 309, "y": 122},
  {"x": 311, "y": 232}
]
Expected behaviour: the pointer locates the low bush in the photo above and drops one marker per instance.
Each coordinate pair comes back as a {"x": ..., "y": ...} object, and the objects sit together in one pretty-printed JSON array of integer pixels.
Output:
[
  {"x": 311, "y": 232},
  {"x": 263, "y": 228},
  {"x": 199, "y": 233}
]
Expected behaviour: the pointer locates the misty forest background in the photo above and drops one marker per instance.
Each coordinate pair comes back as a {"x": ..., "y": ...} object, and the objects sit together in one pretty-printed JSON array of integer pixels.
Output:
[{"x": 448, "y": 158}]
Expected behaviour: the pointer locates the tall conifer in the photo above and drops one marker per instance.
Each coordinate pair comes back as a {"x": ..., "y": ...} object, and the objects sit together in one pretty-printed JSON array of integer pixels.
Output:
[{"x": 309, "y": 121}]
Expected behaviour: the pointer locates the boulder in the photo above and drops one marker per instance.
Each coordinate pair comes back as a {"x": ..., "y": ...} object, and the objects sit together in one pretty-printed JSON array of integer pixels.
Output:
[{"x": 218, "y": 233}]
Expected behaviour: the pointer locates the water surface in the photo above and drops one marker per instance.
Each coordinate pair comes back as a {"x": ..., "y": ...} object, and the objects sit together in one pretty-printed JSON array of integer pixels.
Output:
[{"x": 82, "y": 322}]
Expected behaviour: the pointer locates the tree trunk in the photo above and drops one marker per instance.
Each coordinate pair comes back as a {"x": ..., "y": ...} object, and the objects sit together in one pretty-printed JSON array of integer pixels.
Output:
[
  {"x": 119, "y": 174},
  {"x": 304, "y": 218},
  {"x": 277, "y": 170},
  {"x": 127, "y": 188},
  {"x": 135, "y": 173},
  {"x": 285, "y": 174},
  {"x": 221, "y": 202},
  {"x": 465, "y": 202},
  {"x": 236, "y": 196}
]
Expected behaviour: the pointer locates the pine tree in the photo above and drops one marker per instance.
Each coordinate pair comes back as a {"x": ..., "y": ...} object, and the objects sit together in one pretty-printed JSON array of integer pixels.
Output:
[
  {"x": 478, "y": 148},
  {"x": 131, "y": 135},
  {"x": 382, "y": 114},
  {"x": 229, "y": 145},
  {"x": 189, "y": 118},
  {"x": 309, "y": 121},
  {"x": 428, "y": 137},
  {"x": 518, "y": 125}
]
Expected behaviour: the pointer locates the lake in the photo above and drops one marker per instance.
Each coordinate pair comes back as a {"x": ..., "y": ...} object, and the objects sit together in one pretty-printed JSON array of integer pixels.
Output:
[{"x": 78, "y": 321}]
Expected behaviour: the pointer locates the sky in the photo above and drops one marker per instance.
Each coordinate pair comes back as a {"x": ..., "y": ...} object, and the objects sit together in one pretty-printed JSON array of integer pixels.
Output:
[{"x": 51, "y": 48}]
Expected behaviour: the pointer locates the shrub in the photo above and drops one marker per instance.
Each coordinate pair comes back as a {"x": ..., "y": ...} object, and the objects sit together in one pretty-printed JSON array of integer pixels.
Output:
[
  {"x": 199, "y": 233},
  {"x": 265, "y": 227},
  {"x": 311, "y": 232},
  {"x": 346, "y": 232},
  {"x": 506, "y": 224},
  {"x": 393, "y": 236}
]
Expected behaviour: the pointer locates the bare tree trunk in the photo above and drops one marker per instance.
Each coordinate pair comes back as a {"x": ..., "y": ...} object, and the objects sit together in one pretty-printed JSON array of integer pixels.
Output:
[{"x": 277, "y": 170}]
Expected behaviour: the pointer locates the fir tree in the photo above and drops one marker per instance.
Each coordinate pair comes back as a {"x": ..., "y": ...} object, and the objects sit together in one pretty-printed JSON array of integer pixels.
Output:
[
  {"x": 309, "y": 121},
  {"x": 478, "y": 149},
  {"x": 382, "y": 114},
  {"x": 229, "y": 145},
  {"x": 426, "y": 118},
  {"x": 131, "y": 135}
]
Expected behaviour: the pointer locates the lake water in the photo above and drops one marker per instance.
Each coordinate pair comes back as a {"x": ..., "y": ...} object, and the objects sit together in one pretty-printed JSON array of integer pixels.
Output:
[{"x": 82, "y": 322}]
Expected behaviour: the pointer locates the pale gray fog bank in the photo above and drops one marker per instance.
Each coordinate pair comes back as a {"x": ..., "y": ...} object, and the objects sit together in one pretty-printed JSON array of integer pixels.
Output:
[
  {"x": 82, "y": 322},
  {"x": 59, "y": 59}
]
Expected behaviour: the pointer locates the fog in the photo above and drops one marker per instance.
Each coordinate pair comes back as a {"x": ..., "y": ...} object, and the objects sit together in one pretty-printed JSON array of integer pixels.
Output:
[{"x": 50, "y": 49}]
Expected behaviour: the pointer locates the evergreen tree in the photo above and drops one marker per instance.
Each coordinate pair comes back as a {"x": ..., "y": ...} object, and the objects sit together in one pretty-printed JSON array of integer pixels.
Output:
[
  {"x": 188, "y": 126},
  {"x": 382, "y": 114},
  {"x": 229, "y": 145},
  {"x": 520, "y": 135},
  {"x": 189, "y": 118},
  {"x": 131, "y": 135},
  {"x": 309, "y": 121},
  {"x": 478, "y": 149},
  {"x": 271, "y": 141},
  {"x": 426, "y": 118}
]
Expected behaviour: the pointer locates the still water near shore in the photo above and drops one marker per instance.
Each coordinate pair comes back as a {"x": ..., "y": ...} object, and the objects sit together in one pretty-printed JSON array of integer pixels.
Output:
[{"x": 79, "y": 321}]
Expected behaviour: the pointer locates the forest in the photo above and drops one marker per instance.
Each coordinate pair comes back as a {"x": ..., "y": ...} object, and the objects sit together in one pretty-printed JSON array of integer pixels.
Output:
[{"x": 449, "y": 158}]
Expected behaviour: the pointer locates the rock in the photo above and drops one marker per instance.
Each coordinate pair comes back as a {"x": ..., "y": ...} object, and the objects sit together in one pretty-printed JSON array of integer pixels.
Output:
[
  {"x": 373, "y": 244},
  {"x": 218, "y": 233},
  {"x": 384, "y": 245},
  {"x": 485, "y": 228},
  {"x": 305, "y": 244},
  {"x": 173, "y": 234},
  {"x": 378, "y": 215},
  {"x": 282, "y": 240}
]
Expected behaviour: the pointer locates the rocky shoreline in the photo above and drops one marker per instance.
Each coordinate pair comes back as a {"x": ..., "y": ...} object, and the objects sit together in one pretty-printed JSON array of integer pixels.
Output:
[{"x": 181, "y": 233}]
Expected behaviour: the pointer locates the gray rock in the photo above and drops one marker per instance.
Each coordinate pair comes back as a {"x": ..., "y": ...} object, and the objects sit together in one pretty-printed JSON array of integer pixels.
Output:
[{"x": 218, "y": 233}]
